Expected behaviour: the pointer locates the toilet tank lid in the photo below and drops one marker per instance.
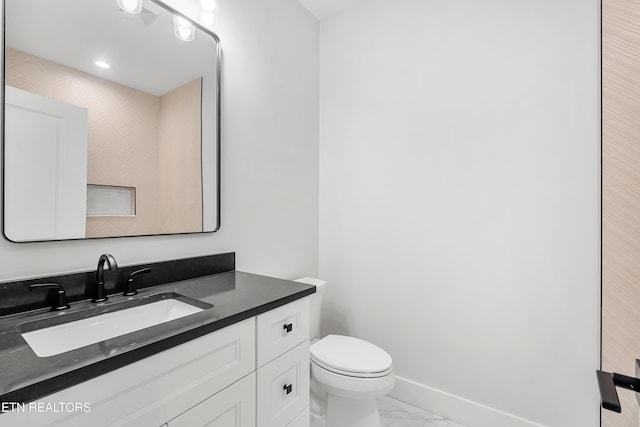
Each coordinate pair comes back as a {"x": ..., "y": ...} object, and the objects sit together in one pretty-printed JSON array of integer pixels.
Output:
[{"x": 319, "y": 283}]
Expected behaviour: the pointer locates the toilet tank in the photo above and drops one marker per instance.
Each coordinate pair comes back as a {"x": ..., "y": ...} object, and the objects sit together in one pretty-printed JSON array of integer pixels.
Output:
[{"x": 316, "y": 304}]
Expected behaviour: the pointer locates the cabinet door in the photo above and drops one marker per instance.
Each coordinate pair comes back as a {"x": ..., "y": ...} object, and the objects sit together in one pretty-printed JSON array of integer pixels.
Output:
[
  {"x": 232, "y": 407},
  {"x": 283, "y": 387}
]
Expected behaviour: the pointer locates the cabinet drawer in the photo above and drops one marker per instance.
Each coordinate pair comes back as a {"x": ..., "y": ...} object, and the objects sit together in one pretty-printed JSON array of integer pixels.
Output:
[
  {"x": 282, "y": 329},
  {"x": 302, "y": 420},
  {"x": 283, "y": 387},
  {"x": 235, "y": 406}
]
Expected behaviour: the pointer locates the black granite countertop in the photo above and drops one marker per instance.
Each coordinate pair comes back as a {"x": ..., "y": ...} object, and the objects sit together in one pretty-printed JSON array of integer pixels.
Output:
[{"x": 235, "y": 296}]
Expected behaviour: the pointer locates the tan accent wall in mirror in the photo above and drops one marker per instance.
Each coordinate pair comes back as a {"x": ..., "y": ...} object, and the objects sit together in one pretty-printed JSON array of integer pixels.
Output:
[
  {"x": 129, "y": 143},
  {"x": 621, "y": 199},
  {"x": 180, "y": 159}
]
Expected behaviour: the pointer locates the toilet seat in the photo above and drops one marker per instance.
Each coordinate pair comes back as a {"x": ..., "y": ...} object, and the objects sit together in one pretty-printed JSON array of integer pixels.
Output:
[
  {"x": 351, "y": 374},
  {"x": 351, "y": 357},
  {"x": 349, "y": 386}
]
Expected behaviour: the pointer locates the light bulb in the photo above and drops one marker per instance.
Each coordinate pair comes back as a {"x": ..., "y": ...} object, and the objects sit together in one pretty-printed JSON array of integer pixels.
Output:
[
  {"x": 184, "y": 30},
  {"x": 207, "y": 18},
  {"x": 131, "y": 6},
  {"x": 208, "y": 5}
]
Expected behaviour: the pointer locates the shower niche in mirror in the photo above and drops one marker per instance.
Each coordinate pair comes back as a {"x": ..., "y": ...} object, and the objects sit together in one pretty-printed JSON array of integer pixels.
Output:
[{"x": 111, "y": 121}]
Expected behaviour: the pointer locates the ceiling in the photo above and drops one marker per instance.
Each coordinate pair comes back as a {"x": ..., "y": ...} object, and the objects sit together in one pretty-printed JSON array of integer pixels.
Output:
[
  {"x": 323, "y": 9},
  {"x": 143, "y": 52}
]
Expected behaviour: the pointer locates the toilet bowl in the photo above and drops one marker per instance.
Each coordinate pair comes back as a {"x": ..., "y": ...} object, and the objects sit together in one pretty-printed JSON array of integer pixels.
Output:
[
  {"x": 348, "y": 372},
  {"x": 352, "y": 373}
]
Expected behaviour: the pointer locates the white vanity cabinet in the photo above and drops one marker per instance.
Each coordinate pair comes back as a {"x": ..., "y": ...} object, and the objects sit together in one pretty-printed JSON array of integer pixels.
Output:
[{"x": 215, "y": 380}]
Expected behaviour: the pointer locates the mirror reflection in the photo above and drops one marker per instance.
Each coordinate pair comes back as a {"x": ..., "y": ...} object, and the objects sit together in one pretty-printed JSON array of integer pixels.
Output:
[{"x": 111, "y": 121}]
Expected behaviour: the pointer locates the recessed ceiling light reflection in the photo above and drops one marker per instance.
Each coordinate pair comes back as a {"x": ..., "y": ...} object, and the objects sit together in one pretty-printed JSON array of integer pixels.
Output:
[{"x": 102, "y": 64}]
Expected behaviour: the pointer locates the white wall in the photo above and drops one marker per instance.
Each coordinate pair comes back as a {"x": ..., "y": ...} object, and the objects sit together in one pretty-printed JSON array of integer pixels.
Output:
[
  {"x": 269, "y": 156},
  {"x": 459, "y": 201}
]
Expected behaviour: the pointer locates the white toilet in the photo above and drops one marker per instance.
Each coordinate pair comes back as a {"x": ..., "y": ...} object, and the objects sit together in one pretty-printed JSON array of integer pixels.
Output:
[{"x": 351, "y": 373}]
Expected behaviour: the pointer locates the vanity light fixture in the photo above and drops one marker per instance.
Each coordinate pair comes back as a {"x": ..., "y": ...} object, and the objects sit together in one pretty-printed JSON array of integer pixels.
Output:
[
  {"x": 131, "y": 6},
  {"x": 184, "y": 29},
  {"x": 102, "y": 64},
  {"x": 207, "y": 15},
  {"x": 207, "y": 18},
  {"x": 208, "y": 5}
]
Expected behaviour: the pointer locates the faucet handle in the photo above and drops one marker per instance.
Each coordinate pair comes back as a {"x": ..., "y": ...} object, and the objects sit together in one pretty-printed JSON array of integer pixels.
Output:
[
  {"x": 61, "y": 302},
  {"x": 131, "y": 287}
]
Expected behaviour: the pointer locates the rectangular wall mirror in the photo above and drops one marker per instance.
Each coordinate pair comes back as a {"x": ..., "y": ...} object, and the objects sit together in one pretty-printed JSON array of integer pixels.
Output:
[{"x": 111, "y": 121}]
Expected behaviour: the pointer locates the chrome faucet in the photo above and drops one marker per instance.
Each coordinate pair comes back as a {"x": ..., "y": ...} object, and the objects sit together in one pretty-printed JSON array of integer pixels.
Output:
[{"x": 100, "y": 294}]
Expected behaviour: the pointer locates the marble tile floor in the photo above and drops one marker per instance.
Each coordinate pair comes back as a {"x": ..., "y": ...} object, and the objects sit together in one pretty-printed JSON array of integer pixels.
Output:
[{"x": 393, "y": 413}]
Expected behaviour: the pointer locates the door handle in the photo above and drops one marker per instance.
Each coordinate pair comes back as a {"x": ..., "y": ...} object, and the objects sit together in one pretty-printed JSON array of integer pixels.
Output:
[{"x": 607, "y": 382}]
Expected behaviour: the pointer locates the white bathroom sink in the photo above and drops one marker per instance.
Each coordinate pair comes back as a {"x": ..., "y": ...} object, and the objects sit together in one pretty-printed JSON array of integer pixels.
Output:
[{"x": 57, "y": 339}]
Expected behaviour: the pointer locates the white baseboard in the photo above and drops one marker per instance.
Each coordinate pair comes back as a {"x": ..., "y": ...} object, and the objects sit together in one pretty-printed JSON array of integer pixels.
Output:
[{"x": 455, "y": 408}]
